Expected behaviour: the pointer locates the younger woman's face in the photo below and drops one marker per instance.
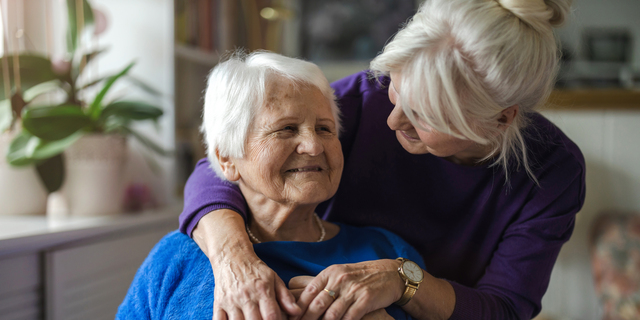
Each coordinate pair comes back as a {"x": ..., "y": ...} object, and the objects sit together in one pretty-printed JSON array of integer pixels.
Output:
[{"x": 417, "y": 141}]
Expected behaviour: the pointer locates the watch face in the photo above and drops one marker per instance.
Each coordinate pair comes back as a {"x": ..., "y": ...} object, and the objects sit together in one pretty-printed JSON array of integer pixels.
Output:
[{"x": 412, "y": 271}]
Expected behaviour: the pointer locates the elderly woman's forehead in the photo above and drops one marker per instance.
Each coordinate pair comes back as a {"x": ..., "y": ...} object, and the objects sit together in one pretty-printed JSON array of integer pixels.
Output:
[
  {"x": 280, "y": 87},
  {"x": 285, "y": 89}
]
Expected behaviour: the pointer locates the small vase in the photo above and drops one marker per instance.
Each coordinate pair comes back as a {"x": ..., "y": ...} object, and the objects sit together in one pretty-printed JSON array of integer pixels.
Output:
[
  {"x": 21, "y": 191},
  {"x": 94, "y": 179}
]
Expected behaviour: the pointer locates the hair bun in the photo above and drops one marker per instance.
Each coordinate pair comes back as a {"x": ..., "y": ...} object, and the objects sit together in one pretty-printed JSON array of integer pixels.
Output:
[
  {"x": 539, "y": 14},
  {"x": 560, "y": 9}
]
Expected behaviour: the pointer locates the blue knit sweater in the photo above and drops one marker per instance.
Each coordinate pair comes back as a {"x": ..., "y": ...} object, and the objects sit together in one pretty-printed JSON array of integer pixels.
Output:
[{"x": 176, "y": 281}]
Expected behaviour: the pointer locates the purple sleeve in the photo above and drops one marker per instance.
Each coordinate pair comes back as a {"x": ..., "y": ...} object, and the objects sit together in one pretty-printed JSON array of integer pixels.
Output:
[
  {"x": 518, "y": 276},
  {"x": 206, "y": 192}
]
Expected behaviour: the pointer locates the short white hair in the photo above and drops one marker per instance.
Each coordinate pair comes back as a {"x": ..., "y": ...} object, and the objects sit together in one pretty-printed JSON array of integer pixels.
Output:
[
  {"x": 236, "y": 90},
  {"x": 462, "y": 62}
]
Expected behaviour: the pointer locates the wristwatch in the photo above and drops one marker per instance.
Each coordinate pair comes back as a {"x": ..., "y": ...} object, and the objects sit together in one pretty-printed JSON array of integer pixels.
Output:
[{"x": 412, "y": 275}]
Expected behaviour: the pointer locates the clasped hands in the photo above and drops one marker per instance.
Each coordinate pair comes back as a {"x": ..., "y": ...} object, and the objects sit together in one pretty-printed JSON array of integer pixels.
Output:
[{"x": 361, "y": 291}]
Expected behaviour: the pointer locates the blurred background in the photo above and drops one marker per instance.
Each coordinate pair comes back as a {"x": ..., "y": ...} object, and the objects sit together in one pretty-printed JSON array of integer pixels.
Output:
[{"x": 101, "y": 106}]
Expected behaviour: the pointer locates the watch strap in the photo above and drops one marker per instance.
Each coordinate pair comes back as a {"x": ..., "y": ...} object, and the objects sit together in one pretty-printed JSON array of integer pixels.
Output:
[{"x": 409, "y": 291}]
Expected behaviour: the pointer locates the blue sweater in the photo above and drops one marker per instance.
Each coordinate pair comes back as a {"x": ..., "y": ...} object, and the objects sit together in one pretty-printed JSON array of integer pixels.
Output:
[{"x": 176, "y": 281}]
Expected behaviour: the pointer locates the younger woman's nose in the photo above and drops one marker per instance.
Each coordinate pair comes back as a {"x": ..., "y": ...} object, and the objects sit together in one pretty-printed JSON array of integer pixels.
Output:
[{"x": 397, "y": 120}]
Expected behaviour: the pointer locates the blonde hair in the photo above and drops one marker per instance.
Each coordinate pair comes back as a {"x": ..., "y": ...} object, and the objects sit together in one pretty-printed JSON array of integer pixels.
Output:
[
  {"x": 236, "y": 90},
  {"x": 462, "y": 62}
]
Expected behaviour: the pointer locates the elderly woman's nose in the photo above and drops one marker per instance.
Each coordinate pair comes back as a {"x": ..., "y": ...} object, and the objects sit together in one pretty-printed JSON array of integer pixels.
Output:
[
  {"x": 310, "y": 144},
  {"x": 397, "y": 120}
]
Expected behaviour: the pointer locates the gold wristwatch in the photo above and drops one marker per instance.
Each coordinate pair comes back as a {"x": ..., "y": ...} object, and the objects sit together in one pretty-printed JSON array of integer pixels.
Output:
[{"x": 412, "y": 275}]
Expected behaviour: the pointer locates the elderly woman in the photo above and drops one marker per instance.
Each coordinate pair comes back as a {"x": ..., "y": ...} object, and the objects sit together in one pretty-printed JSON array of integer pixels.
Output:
[
  {"x": 445, "y": 148},
  {"x": 271, "y": 127}
]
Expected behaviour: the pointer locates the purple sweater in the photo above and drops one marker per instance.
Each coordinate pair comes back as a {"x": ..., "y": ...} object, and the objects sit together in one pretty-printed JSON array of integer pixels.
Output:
[{"x": 495, "y": 243}]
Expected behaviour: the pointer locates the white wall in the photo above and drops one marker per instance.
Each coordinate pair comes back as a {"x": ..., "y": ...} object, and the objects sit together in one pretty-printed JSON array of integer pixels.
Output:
[
  {"x": 142, "y": 30},
  {"x": 609, "y": 140}
]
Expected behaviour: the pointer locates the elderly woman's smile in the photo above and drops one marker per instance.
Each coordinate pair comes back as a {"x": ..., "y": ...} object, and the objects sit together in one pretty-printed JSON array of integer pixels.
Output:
[{"x": 292, "y": 153}]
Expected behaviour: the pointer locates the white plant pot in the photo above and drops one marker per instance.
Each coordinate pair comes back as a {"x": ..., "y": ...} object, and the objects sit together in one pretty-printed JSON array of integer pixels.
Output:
[
  {"x": 94, "y": 175},
  {"x": 21, "y": 191}
]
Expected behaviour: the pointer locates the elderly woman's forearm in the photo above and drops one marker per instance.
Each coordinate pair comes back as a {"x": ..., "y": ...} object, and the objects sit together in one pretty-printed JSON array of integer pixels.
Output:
[{"x": 220, "y": 233}]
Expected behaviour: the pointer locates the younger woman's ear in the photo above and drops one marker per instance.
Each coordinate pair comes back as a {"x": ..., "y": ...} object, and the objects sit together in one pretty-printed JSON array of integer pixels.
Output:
[
  {"x": 228, "y": 167},
  {"x": 507, "y": 115}
]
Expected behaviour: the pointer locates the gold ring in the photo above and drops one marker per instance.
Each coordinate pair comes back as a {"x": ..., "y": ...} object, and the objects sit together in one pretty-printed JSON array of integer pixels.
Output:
[{"x": 331, "y": 293}]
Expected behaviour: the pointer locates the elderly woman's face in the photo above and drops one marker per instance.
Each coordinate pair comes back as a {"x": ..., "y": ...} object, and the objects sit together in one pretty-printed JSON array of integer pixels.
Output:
[{"x": 293, "y": 153}]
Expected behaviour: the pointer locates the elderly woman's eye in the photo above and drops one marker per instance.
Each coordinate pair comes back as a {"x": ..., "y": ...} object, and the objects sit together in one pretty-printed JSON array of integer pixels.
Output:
[
  {"x": 325, "y": 129},
  {"x": 288, "y": 128}
]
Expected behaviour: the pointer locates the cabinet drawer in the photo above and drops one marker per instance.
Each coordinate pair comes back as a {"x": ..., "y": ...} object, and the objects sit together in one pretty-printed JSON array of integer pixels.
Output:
[
  {"x": 21, "y": 287},
  {"x": 90, "y": 281}
]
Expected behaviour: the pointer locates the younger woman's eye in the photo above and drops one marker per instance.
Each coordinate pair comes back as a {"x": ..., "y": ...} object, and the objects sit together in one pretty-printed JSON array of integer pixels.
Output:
[{"x": 418, "y": 117}]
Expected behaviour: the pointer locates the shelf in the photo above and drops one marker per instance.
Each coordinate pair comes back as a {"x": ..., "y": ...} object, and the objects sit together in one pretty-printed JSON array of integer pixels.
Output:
[
  {"x": 199, "y": 56},
  {"x": 592, "y": 99},
  {"x": 336, "y": 70},
  {"x": 34, "y": 233}
]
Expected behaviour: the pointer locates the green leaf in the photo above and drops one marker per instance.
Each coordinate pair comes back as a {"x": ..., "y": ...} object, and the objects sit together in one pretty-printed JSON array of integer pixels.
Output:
[
  {"x": 144, "y": 86},
  {"x": 17, "y": 153},
  {"x": 147, "y": 142},
  {"x": 115, "y": 124},
  {"x": 54, "y": 122},
  {"x": 74, "y": 32},
  {"x": 6, "y": 115},
  {"x": 34, "y": 70},
  {"x": 27, "y": 149},
  {"x": 95, "y": 107},
  {"x": 88, "y": 57},
  {"x": 40, "y": 89},
  {"x": 131, "y": 110},
  {"x": 45, "y": 149},
  {"x": 51, "y": 172},
  {"x": 94, "y": 82}
]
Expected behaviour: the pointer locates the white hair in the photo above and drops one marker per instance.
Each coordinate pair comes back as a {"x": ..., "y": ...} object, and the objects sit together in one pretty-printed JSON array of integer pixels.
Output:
[
  {"x": 236, "y": 90},
  {"x": 462, "y": 62}
]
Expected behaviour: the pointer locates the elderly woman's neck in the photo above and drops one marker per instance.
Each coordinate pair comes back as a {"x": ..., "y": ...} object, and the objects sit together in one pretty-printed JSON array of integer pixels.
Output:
[{"x": 281, "y": 223}]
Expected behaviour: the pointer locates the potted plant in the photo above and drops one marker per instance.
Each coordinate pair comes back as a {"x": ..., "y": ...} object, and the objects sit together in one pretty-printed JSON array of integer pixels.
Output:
[
  {"x": 75, "y": 137},
  {"x": 21, "y": 190}
]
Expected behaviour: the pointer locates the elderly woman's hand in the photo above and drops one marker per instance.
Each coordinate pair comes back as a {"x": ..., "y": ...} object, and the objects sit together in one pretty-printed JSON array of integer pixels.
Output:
[
  {"x": 359, "y": 288},
  {"x": 245, "y": 288},
  {"x": 249, "y": 289}
]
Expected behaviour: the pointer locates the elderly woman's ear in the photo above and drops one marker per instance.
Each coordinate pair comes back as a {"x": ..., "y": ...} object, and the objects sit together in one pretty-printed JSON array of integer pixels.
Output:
[{"x": 228, "y": 167}]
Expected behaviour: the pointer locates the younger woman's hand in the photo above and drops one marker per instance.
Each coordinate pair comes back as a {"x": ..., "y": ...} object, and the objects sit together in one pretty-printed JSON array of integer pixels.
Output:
[{"x": 359, "y": 288}]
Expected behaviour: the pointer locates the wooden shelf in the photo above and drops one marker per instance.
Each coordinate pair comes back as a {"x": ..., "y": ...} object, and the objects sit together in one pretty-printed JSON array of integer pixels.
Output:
[
  {"x": 199, "y": 56},
  {"x": 592, "y": 98}
]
